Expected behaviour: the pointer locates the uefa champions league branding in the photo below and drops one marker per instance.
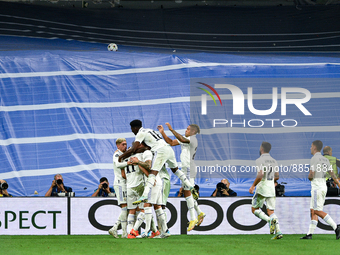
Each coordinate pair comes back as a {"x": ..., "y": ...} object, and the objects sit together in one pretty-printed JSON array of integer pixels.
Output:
[{"x": 238, "y": 100}]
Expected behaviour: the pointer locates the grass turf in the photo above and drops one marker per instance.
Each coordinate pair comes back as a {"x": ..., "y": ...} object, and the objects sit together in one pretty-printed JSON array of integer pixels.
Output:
[{"x": 183, "y": 244}]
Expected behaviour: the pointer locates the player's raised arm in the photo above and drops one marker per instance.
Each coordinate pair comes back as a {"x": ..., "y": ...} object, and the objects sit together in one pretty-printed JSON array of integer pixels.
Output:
[
  {"x": 180, "y": 138},
  {"x": 166, "y": 138}
]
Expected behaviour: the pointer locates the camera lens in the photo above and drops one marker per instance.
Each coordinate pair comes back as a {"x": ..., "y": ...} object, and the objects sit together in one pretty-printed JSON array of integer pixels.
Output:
[
  {"x": 4, "y": 185},
  {"x": 59, "y": 181},
  {"x": 105, "y": 185}
]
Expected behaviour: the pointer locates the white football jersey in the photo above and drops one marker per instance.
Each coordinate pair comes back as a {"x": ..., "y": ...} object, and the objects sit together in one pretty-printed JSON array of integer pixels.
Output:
[
  {"x": 269, "y": 166},
  {"x": 188, "y": 151},
  {"x": 319, "y": 165},
  {"x": 151, "y": 138},
  {"x": 135, "y": 176},
  {"x": 117, "y": 166}
]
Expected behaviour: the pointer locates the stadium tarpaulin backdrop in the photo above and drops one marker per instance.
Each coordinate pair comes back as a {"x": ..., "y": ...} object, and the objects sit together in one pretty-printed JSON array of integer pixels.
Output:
[{"x": 61, "y": 110}]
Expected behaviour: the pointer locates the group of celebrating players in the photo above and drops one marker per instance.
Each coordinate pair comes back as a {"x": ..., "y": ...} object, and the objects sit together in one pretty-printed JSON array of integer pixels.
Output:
[{"x": 142, "y": 181}]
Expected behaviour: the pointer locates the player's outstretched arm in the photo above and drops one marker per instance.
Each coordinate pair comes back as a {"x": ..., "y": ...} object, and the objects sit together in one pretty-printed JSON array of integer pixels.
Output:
[
  {"x": 180, "y": 138},
  {"x": 166, "y": 138}
]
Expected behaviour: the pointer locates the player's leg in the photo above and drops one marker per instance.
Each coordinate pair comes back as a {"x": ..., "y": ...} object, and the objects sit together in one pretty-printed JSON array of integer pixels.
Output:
[
  {"x": 200, "y": 215},
  {"x": 190, "y": 201},
  {"x": 326, "y": 217},
  {"x": 161, "y": 218},
  {"x": 164, "y": 198},
  {"x": 139, "y": 221},
  {"x": 172, "y": 163},
  {"x": 131, "y": 196},
  {"x": 122, "y": 219},
  {"x": 153, "y": 196},
  {"x": 257, "y": 203},
  {"x": 314, "y": 205},
  {"x": 148, "y": 217},
  {"x": 158, "y": 161},
  {"x": 191, "y": 208},
  {"x": 131, "y": 219},
  {"x": 274, "y": 221}
]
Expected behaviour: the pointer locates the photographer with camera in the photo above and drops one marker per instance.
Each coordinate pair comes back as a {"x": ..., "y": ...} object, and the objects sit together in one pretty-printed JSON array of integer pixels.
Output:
[
  {"x": 104, "y": 189},
  {"x": 58, "y": 189},
  {"x": 3, "y": 189},
  {"x": 223, "y": 190}
]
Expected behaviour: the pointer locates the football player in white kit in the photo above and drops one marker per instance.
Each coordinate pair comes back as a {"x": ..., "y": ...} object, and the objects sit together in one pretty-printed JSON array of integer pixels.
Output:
[
  {"x": 319, "y": 166},
  {"x": 189, "y": 146},
  {"x": 267, "y": 172},
  {"x": 163, "y": 153},
  {"x": 120, "y": 188}
]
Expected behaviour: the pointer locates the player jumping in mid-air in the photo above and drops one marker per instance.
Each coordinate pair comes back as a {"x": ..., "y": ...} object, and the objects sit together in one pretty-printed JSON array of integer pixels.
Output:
[
  {"x": 267, "y": 172},
  {"x": 189, "y": 146},
  {"x": 319, "y": 166},
  {"x": 163, "y": 153}
]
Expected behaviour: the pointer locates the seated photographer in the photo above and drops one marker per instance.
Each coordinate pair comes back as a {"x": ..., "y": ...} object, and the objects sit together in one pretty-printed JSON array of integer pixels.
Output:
[
  {"x": 223, "y": 190},
  {"x": 104, "y": 189},
  {"x": 3, "y": 189},
  {"x": 58, "y": 188}
]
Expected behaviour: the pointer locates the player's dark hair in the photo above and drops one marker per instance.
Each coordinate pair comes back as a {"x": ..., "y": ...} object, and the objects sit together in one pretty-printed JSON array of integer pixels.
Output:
[
  {"x": 266, "y": 147},
  {"x": 197, "y": 188},
  {"x": 318, "y": 144},
  {"x": 103, "y": 179},
  {"x": 136, "y": 123}
]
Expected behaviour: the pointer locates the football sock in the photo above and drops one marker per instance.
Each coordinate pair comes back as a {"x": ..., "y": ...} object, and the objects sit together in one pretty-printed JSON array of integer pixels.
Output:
[
  {"x": 191, "y": 208},
  {"x": 116, "y": 225},
  {"x": 130, "y": 222},
  {"x": 139, "y": 221},
  {"x": 161, "y": 219},
  {"x": 183, "y": 178},
  {"x": 197, "y": 208},
  {"x": 277, "y": 227},
  {"x": 148, "y": 185},
  {"x": 330, "y": 221},
  {"x": 165, "y": 215},
  {"x": 153, "y": 225},
  {"x": 259, "y": 213},
  {"x": 148, "y": 217},
  {"x": 312, "y": 227},
  {"x": 123, "y": 218}
]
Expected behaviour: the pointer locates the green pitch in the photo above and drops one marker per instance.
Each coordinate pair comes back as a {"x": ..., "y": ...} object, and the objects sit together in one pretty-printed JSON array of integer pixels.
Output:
[{"x": 189, "y": 245}]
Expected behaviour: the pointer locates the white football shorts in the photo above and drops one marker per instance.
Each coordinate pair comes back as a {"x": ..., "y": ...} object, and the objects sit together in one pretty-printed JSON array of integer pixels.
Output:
[
  {"x": 317, "y": 200},
  {"x": 163, "y": 155},
  {"x": 258, "y": 201},
  {"x": 120, "y": 193}
]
